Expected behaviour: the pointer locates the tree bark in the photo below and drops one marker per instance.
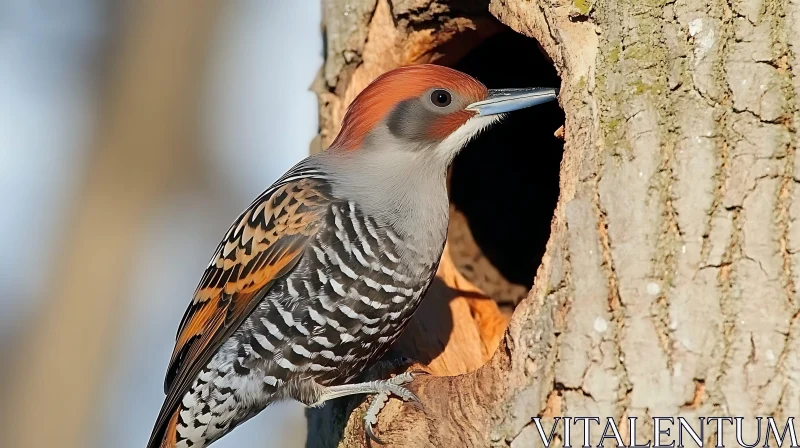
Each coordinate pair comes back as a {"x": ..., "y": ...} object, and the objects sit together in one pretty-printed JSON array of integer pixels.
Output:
[{"x": 668, "y": 287}]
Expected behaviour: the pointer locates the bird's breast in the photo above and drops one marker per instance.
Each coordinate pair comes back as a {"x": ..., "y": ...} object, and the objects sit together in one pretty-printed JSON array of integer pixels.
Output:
[{"x": 345, "y": 302}]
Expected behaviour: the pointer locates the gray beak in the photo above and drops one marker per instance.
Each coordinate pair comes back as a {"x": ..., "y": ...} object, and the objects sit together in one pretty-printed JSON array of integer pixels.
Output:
[{"x": 507, "y": 100}]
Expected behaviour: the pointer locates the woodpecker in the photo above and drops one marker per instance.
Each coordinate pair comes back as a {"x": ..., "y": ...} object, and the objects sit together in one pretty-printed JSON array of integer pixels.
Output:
[{"x": 320, "y": 274}]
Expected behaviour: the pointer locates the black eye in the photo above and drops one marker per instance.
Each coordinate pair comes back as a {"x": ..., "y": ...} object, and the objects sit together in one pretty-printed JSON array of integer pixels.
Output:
[{"x": 441, "y": 98}]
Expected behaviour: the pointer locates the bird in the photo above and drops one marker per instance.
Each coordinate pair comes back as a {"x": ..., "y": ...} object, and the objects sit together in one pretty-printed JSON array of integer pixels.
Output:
[{"x": 319, "y": 275}]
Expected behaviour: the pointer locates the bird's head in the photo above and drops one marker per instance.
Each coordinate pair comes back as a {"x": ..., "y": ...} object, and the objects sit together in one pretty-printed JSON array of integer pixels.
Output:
[{"x": 428, "y": 109}]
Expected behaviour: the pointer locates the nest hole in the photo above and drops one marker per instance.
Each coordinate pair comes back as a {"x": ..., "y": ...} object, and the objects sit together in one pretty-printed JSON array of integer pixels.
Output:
[{"x": 505, "y": 184}]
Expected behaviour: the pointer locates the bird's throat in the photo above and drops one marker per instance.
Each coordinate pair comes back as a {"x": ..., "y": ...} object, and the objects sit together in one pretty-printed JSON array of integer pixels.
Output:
[{"x": 405, "y": 190}]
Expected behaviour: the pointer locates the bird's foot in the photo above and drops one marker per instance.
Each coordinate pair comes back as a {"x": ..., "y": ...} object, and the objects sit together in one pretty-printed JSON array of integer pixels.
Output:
[
  {"x": 381, "y": 389},
  {"x": 393, "y": 386}
]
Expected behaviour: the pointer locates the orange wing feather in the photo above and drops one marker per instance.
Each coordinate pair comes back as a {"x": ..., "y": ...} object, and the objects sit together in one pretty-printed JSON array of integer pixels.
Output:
[{"x": 264, "y": 243}]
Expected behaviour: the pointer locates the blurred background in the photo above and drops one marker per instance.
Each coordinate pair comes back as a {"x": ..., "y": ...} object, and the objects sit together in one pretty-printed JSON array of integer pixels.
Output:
[{"x": 132, "y": 133}]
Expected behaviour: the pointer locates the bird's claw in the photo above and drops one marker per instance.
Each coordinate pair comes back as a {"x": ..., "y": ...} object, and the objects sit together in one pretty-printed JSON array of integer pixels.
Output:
[
  {"x": 371, "y": 417},
  {"x": 394, "y": 386},
  {"x": 406, "y": 378},
  {"x": 371, "y": 435}
]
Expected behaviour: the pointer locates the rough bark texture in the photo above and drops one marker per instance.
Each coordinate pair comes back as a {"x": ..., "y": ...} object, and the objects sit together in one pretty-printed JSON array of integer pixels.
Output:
[{"x": 669, "y": 283}]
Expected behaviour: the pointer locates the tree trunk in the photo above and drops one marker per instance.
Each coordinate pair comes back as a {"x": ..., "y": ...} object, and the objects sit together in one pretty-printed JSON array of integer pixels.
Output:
[{"x": 668, "y": 283}]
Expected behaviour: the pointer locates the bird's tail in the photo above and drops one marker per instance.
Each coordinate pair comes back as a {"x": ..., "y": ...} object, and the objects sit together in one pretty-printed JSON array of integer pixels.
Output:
[{"x": 166, "y": 435}]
